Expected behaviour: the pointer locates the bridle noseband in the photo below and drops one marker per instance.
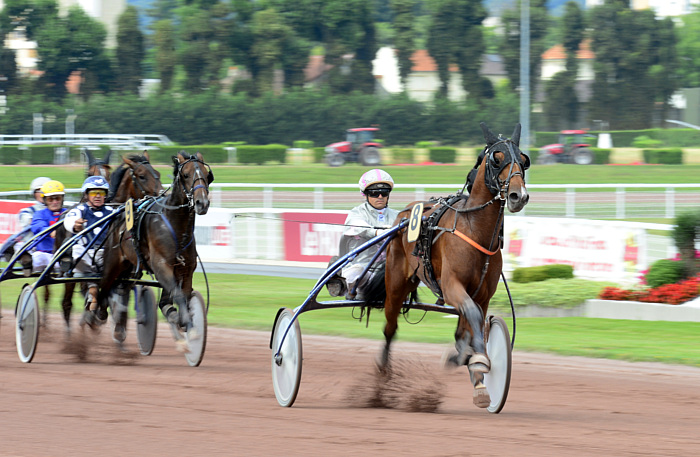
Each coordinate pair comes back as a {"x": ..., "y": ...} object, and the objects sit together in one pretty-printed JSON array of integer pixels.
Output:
[{"x": 199, "y": 176}]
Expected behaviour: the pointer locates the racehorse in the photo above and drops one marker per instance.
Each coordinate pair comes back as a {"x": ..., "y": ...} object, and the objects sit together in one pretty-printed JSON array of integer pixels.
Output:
[
  {"x": 162, "y": 242},
  {"x": 135, "y": 178},
  {"x": 98, "y": 167},
  {"x": 458, "y": 253}
]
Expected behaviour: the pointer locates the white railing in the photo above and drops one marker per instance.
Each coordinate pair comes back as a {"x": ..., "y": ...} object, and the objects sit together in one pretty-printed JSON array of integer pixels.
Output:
[
  {"x": 593, "y": 201},
  {"x": 128, "y": 141}
]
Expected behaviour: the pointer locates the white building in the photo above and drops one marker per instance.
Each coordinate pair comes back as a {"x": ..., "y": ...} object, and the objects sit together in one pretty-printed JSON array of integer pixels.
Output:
[{"x": 663, "y": 8}]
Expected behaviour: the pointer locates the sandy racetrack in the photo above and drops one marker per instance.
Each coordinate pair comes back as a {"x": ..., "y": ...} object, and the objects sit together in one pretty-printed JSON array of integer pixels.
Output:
[{"x": 116, "y": 405}]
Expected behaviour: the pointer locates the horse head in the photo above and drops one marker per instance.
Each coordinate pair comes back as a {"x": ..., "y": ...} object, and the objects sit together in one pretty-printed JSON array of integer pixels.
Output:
[
  {"x": 145, "y": 180},
  {"x": 98, "y": 167},
  {"x": 503, "y": 170},
  {"x": 195, "y": 176}
]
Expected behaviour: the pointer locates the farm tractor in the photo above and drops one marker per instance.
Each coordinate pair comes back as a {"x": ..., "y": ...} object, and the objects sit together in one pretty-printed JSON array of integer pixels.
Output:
[
  {"x": 573, "y": 147},
  {"x": 359, "y": 146}
]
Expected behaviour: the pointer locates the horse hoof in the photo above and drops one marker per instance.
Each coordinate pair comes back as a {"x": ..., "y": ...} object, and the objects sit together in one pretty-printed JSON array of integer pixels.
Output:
[
  {"x": 449, "y": 360},
  {"x": 119, "y": 334},
  {"x": 479, "y": 363},
  {"x": 182, "y": 346},
  {"x": 481, "y": 396}
]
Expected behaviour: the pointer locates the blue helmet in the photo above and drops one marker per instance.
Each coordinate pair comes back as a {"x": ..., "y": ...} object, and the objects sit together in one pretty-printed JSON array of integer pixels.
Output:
[{"x": 95, "y": 182}]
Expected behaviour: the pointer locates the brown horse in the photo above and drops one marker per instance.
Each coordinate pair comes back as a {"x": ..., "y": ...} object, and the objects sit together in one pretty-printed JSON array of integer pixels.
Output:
[
  {"x": 458, "y": 254},
  {"x": 98, "y": 167},
  {"x": 135, "y": 178},
  {"x": 162, "y": 242}
]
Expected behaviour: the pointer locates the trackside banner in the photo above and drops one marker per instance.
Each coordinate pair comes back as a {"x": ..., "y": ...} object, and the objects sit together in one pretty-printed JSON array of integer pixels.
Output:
[
  {"x": 9, "y": 224},
  {"x": 312, "y": 237},
  {"x": 600, "y": 250}
]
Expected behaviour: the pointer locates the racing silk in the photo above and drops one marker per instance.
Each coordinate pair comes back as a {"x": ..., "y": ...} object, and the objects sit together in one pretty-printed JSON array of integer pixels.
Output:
[
  {"x": 91, "y": 215},
  {"x": 27, "y": 214},
  {"x": 363, "y": 220},
  {"x": 42, "y": 219}
]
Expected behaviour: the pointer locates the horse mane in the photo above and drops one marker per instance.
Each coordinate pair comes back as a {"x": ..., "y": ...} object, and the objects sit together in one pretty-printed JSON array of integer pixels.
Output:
[{"x": 116, "y": 178}]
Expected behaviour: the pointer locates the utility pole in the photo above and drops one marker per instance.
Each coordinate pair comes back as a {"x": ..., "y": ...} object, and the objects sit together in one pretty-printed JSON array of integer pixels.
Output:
[{"x": 525, "y": 75}]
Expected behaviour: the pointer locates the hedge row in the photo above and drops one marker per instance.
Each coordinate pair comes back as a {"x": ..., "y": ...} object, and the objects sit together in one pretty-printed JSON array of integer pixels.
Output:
[
  {"x": 671, "y": 156},
  {"x": 542, "y": 272}
]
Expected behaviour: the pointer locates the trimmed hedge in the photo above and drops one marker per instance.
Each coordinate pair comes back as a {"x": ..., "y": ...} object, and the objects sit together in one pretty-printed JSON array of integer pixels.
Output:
[
  {"x": 664, "y": 271},
  {"x": 11, "y": 155},
  {"x": 442, "y": 154},
  {"x": 401, "y": 155},
  {"x": 670, "y": 156},
  {"x": 542, "y": 272},
  {"x": 601, "y": 156},
  {"x": 319, "y": 154},
  {"x": 261, "y": 154},
  {"x": 303, "y": 144}
]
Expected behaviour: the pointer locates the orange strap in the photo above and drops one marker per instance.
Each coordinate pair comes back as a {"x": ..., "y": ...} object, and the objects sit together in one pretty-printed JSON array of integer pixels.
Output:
[{"x": 474, "y": 243}]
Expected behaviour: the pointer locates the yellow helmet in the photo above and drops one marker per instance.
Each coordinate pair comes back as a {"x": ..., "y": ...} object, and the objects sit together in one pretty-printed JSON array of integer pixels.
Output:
[{"x": 52, "y": 188}]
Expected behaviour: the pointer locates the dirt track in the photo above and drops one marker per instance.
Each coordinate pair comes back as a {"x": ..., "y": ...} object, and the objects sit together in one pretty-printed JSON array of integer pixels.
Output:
[{"x": 117, "y": 405}]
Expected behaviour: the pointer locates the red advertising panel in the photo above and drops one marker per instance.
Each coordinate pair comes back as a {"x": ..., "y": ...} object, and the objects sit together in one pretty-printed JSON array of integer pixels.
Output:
[
  {"x": 312, "y": 237},
  {"x": 8, "y": 217}
]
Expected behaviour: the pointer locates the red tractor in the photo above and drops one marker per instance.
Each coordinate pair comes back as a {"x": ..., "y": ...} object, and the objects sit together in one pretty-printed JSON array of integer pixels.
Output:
[
  {"x": 359, "y": 146},
  {"x": 573, "y": 147}
]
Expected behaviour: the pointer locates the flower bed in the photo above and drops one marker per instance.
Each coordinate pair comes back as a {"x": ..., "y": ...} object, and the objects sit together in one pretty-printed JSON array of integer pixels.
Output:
[{"x": 672, "y": 294}]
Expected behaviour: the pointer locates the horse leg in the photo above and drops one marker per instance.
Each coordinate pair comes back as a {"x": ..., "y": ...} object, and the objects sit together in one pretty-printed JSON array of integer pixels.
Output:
[
  {"x": 469, "y": 342},
  {"x": 120, "y": 307},
  {"x": 396, "y": 291},
  {"x": 45, "y": 314},
  {"x": 172, "y": 293},
  {"x": 67, "y": 303}
]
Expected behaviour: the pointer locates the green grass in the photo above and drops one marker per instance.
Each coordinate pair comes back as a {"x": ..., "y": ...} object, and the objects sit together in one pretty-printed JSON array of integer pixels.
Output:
[
  {"x": 251, "y": 302},
  {"x": 17, "y": 177}
]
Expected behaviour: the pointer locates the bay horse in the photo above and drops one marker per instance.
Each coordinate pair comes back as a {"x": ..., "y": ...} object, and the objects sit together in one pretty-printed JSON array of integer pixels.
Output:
[
  {"x": 135, "y": 178},
  {"x": 98, "y": 167},
  {"x": 161, "y": 242},
  {"x": 458, "y": 255}
]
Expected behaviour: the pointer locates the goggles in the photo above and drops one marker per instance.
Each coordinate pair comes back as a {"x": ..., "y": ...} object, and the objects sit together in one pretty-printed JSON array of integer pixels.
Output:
[
  {"x": 96, "y": 192},
  {"x": 375, "y": 193}
]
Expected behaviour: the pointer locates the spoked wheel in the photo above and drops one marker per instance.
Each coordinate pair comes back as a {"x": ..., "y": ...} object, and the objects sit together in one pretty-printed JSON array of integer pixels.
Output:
[
  {"x": 27, "y": 326},
  {"x": 146, "y": 319},
  {"x": 286, "y": 366},
  {"x": 497, "y": 381},
  {"x": 196, "y": 335}
]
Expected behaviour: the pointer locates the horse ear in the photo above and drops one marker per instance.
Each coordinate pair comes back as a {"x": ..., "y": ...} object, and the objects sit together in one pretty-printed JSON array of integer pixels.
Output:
[
  {"x": 176, "y": 160},
  {"x": 106, "y": 159},
  {"x": 90, "y": 157},
  {"x": 489, "y": 136},
  {"x": 145, "y": 154},
  {"x": 200, "y": 157},
  {"x": 128, "y": 161},
  {"x": 181, "y": 156},
  {"x": 516, "y": 134}
]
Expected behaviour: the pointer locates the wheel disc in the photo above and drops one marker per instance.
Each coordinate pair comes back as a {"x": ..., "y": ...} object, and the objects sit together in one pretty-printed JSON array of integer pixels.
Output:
[
  {"x": 497, "y": 380},
  {"x": 286, "y": 375},
  {"x": 27, "y": 324},
  {"x": 196, "y": 334},
  {"x": 146, "y": 320}
]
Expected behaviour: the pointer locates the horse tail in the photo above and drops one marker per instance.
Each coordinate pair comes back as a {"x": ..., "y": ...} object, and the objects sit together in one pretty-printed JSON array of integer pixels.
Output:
[{"x": 375, "y": 290}]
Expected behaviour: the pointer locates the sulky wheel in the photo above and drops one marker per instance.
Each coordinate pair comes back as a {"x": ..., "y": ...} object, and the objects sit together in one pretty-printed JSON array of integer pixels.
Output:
[
  {"x": 196, "y": 335},
  {"x": 27, "y": 326},
  {"x": 286, "y": 366},
  {"x": 497, "y": 380},
  {"x": 146, "y": 319}
]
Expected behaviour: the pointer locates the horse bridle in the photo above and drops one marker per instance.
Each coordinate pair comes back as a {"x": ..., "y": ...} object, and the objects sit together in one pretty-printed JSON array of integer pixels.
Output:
[
  {"x": 136, "y": 182},
  {"x": 198, "y": 177}
]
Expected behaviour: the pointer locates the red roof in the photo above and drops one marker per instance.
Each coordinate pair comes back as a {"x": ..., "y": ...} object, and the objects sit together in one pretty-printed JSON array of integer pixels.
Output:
[
  {"x": 423, "y": 62},
  {"x": 557, "y": 52}
]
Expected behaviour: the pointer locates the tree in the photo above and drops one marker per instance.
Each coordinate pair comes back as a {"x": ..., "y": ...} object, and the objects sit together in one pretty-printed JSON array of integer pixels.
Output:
[
  {"x": 30, "y": 14},
  {"x": 166, "y": 57},
  {"x": 510, "y": 46},
  {"x": 689, "y": 49},
  {"x": 635, "y": 65},
  {"x": 455, "y": 37},
  {"x": 404, "y": 36},
  {"x": 561, "y": 104},
  {"x": 130, "y": 50},
  {"x": 67, "y": 44},
  {"x": 195, "y": 34}
]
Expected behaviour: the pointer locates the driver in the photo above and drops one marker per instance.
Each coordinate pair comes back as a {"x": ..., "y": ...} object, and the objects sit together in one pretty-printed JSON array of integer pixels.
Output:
[
  {"x": 53, "y": 193},
  {"x": 85, "y": 214},
  {"x": 366, "y": 221}
]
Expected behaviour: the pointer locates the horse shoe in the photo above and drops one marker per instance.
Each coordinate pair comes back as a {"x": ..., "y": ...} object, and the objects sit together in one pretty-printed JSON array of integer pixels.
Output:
[
  {"x": 481, "y": 396},
  {"x": 479, "y": 363}
]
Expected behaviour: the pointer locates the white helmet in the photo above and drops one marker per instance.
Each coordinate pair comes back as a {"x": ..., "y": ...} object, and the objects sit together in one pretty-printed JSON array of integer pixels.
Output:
[
  {"x": 37, "y": 183},
  {"x": 95, "y": 182},
  {"x": 376, "y": 176}
]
